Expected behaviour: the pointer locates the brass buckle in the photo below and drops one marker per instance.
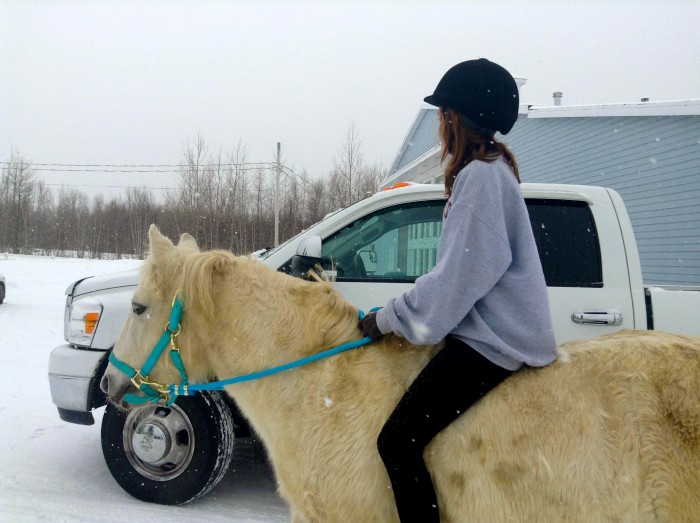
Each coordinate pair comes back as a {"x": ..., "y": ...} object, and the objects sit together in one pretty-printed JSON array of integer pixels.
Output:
[
  {"x": 139, "y": 379},
  {"x": 173, "y": 333}
]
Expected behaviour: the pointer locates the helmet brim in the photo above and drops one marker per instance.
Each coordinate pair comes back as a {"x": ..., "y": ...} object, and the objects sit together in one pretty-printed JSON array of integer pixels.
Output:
[{"x": 433, "y": 100}]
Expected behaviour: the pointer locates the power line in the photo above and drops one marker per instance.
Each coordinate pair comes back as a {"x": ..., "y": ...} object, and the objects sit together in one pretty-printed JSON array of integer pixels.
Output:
[
  {"x": 107, "y": 170},
  {"x": 178, "y": 165},
  {"x": 147, "y": 168},
  {"x": 138, "y": 168},
  {"x": 111, "y": 186}
]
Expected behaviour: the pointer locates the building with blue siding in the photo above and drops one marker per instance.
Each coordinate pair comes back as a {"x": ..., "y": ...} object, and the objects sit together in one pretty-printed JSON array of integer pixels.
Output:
[{"x": 649, "y": 152}]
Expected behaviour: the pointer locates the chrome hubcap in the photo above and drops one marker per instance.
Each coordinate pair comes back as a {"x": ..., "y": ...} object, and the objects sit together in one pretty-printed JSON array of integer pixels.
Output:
[
  {"x": 150, "y": 442},
  {"x": 159, "y": 441}
]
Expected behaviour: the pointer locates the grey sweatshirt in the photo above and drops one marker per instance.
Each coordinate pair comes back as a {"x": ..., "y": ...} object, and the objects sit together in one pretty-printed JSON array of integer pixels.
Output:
[{"x": 487, "y": 288}]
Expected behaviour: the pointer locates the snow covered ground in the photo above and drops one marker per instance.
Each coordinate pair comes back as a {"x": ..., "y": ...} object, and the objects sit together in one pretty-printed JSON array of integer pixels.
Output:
[{"x": 54, "y": 471}]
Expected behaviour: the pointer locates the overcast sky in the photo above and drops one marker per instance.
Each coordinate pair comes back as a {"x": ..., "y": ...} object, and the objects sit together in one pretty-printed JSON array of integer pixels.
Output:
[{"x": 131, "y": 82}]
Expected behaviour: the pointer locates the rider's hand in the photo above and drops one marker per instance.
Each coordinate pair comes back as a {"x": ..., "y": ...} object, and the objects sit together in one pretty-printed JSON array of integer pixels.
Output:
[{"x": 368, "y": 326}]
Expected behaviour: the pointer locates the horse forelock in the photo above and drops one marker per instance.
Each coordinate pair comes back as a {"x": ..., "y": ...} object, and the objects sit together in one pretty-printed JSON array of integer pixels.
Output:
[
  {"x": 158, "y": 272},
  {"x": 201, "y": 277}
]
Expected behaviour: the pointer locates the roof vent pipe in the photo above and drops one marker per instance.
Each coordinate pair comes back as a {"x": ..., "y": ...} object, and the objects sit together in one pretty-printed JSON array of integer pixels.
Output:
[{"x": 557, "y": 97}]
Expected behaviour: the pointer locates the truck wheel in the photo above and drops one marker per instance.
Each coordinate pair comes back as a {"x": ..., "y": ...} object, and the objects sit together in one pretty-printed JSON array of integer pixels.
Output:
[
  {"x": 2, "y": 293},
  {"x": 169, "y": 455}
]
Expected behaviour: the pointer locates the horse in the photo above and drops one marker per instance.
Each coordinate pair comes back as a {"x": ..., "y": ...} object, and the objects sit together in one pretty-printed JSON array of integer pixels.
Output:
[{"x": 610, "y": 432}]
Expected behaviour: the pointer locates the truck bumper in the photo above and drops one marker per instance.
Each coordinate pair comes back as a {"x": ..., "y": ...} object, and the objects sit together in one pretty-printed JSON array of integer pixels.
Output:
[{"x": 74, "y": 376}]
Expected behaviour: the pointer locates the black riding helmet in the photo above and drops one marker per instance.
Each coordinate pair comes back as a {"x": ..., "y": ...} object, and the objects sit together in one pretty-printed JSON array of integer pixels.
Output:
[{"x": 482, "y": 92}]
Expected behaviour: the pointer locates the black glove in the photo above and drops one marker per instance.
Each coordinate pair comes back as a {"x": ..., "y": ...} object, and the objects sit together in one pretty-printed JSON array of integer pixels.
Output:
[{"x": 368, "y": 326}]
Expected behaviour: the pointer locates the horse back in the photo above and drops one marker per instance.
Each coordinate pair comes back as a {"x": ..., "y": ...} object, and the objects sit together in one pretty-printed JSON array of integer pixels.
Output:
[{"x": 609, "y": 432}]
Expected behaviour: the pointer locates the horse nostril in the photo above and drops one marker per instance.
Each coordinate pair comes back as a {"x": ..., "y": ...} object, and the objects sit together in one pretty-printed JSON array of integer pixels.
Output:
[{"x": 104, "y": 384}]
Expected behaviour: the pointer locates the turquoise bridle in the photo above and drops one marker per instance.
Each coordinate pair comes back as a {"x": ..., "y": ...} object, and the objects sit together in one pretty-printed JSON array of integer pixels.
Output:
[
  {"x": 166, "y": 395},
  {"x": 157, "y": 392}
]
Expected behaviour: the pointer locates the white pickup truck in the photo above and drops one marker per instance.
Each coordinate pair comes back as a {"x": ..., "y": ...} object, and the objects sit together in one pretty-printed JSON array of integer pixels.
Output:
[{"x": 378, "y": 247}]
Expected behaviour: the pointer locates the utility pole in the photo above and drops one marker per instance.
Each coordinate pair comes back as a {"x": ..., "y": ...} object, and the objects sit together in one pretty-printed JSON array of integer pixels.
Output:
[{"x": 278, "y": 175}]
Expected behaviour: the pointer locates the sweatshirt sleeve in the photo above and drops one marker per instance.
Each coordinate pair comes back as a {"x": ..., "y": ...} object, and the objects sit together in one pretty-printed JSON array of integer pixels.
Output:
[{"x": 474, "y": 255}]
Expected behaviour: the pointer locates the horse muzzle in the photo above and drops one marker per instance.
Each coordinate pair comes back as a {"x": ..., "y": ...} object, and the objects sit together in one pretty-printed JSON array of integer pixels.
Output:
[{"x": 116, "y": 385}]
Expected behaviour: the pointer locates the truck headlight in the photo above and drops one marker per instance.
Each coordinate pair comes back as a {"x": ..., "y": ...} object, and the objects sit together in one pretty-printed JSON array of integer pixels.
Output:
[{"x": 83, "y": 318}]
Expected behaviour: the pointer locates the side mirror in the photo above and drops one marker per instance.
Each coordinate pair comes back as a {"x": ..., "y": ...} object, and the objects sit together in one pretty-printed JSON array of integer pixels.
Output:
[
  {"x": 368, "y": 256},
  {"x": 308, "y": 256},
  {"x": 310, "y": 246}
]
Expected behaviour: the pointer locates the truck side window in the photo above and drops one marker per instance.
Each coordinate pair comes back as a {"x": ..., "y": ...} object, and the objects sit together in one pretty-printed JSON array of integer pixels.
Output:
[
  {"x": 567, "y": 241},
  {"x": 400, "y": 243},
  {"x": 396, "y": 244}
]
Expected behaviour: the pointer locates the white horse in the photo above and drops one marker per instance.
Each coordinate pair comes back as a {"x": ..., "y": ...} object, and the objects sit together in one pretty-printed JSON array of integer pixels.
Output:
[{"x": 610, "y": 432}]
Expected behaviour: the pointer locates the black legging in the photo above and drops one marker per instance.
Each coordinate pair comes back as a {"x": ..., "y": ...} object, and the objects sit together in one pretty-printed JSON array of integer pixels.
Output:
[{"x": 451, "y": 382}]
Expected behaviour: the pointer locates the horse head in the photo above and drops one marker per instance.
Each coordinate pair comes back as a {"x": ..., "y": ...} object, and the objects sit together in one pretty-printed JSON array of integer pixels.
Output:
[{"x": 160, "y": 283}]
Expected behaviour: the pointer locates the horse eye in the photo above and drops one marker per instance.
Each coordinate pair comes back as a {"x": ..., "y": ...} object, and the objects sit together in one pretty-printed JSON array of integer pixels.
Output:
[{"x": 138, "y": 308}]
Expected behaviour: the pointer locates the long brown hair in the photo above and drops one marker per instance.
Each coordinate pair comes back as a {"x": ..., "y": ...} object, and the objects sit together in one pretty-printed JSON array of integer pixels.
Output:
[{"x": 463, "y": 144}]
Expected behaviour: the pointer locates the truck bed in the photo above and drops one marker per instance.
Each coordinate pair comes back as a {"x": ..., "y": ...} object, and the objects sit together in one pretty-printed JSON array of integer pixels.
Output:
[{"x": 673, "y": 308}]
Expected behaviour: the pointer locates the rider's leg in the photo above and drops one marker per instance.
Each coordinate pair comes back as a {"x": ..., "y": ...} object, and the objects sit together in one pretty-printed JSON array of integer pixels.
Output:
[{"x": 451, "y": 382}]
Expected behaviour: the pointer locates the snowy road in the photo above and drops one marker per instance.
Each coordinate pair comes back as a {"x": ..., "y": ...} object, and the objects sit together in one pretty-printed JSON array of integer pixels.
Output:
[{"x": 54, "y": 471}]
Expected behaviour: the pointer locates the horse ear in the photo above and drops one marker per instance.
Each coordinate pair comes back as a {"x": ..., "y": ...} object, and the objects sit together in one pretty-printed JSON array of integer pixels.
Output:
[
  {"x": 188, "y": 242},
  {"x": 202, "y": 279},
  {"x": 159, "y": 244}
]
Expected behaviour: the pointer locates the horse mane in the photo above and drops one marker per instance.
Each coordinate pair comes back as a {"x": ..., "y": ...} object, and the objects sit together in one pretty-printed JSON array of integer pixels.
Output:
[{"x": 327, "y": 315}]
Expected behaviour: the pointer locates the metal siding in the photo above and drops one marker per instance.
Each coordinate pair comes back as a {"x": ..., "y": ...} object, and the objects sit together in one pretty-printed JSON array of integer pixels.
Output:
[
  {"x": 424, "y": 138},
  {"x": 652, "y": 161}
]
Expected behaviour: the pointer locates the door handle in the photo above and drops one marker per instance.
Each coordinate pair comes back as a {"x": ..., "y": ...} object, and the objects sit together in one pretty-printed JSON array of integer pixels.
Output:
[{"x": 597, "y": 318}]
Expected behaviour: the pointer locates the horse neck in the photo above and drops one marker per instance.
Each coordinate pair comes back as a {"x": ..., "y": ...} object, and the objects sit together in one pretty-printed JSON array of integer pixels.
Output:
[
  {"x": 328, "y": 320},
  {"x": 285, "y": 319},
  {"x": 318, "y": 315},
  {"x": 282, "y": 318}
]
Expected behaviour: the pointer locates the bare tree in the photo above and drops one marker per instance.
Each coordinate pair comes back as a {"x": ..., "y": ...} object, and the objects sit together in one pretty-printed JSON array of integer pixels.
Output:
[
  {"x": 318, "y": 205},
  {"x": 117, "y": 232},
  {"x": 347, "y": 166},
  {"x": 369, "y": 180},
  {"x": 140, "y": 209},
  {"x": 296, "y": 189},
  {"x": 192, "y": 185},
  {"x": 220, "y": 200},
  {"x": 17, "y": 188},
  {"x": 44, "y": 214},
  {"x": 259, "y": 234},
  {"x": 237, "y": 185},
  {"x": 214, "y": 199},
  {"x": 97, "y": 227}
]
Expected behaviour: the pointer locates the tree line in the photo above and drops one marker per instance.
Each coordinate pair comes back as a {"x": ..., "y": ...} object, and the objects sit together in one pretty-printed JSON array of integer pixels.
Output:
[{"x": 221, "y": 199}]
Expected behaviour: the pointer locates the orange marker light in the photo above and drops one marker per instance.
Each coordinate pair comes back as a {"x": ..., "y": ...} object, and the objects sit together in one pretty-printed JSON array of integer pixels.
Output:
[
  {"x": 91, "y": 321},
  {"x": 398, "y": 185}
]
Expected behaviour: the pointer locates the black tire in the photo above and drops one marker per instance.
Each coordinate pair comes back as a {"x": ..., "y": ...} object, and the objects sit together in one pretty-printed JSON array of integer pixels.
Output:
[
  {"x": 169, "y": 455},
  {"x": 2, "y": 293}
]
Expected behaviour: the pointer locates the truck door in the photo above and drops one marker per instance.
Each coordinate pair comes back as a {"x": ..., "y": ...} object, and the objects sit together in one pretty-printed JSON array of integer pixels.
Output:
[{"x": 589, "y": 291}]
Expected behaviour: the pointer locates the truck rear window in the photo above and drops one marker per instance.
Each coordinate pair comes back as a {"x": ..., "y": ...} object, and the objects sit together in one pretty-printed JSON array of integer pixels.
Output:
[{"x": 567, "y": 241}]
